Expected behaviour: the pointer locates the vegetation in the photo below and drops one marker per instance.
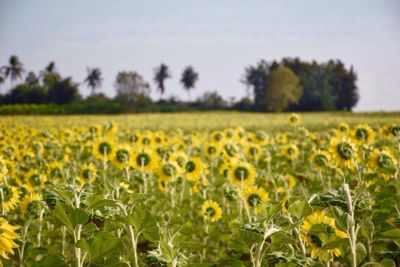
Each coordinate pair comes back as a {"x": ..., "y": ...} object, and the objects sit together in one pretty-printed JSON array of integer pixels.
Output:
[
  {"x": 76, "y": 191},
  {"x": 289, "y": 85}
]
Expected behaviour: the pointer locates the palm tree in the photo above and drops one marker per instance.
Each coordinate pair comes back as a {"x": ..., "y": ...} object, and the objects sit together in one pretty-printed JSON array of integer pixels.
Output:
[
  {"x": 93, "y": 78},
  {"x": 14, "y": 70},
  {"x": 189, "y": 78},
  {"x": 160, "y": 74},
  {"x": 31, "y": 78}
]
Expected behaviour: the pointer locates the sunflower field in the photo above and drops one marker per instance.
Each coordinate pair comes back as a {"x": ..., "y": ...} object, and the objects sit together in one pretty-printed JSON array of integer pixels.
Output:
[{"x": 112, "y": 194}]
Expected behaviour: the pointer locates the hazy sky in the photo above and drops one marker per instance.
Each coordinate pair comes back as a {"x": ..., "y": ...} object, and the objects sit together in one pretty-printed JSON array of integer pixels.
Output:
[{"x": 219, "y": 38}]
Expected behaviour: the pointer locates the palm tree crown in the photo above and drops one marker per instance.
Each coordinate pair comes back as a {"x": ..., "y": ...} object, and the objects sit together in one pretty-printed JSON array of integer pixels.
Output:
[
  {"x": 189, "y": 78},
  {"x": 160, "y": 74},
  {"x": 93, "y": 78},
  {"x": 14, "y": 70}
]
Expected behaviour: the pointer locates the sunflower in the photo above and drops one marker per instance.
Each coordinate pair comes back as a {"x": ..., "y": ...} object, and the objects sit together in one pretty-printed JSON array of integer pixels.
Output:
[
  {"x": 317, "y": 230},
  {"x": 7, "y": 236},
  {"x": 121, "y": 157},
  {"x": 88, "y": 173},
  {"x": 144, "y": 160},
  {"x": 254, "y": 197},
  {"x": 162, "y": 184},
  {"x": 10, "y": 197},
  {"x": 241, "y": 173},
  {"x": 55, "y": 169},
  {"x": 290, "y": 151},
  {"x": 343, "y": 151},
  {"x": 169, "y": 171},
  {"x": 383, "y": 163},
  {"x": 31, "y": 204},
  {"x": 343, "y": 128},
  {"x": 252, "y": 151},
  {"x": 194, "y": 168},
  {"x": 103, "y": 148},
  {"x": 35, "y": 179},
  {"x": 363, "y": 134},
  {"x": 211, "y": 211},
  {"x": 321, "y": 159},
  {"x": 294, "y": 119}
]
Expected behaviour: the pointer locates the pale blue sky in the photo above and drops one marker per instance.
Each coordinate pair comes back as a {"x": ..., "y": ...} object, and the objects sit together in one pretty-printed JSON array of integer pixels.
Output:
[{"x": 219, "y": 38}]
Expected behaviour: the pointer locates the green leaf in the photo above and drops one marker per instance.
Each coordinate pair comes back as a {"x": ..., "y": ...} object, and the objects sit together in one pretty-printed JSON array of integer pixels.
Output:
[
  {"x": 393, "y": 233},
  {"x": 61, "y": 215},
  {"x": 361, "y": 252},
  {"x": 102, "y": 244},
  {"x": 300, "y": 208},
  {"x": 78, "y": 216},
  {"x": 367, "y": 229}
]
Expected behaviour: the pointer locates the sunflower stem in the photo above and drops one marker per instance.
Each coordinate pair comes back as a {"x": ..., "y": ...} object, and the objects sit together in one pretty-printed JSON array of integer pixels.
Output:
[{"x": 351, "y": 230}]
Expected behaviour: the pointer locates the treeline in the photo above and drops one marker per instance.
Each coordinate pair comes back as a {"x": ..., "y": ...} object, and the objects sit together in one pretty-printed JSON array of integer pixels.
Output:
[{"x": 288, "y": 85}]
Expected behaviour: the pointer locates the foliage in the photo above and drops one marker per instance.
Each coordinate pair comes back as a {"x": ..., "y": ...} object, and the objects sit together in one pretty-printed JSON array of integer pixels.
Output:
[{"x": 284, "y": 89}]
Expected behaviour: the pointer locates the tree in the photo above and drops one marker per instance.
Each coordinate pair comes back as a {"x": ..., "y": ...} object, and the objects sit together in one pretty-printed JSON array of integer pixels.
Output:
[
  {"x": 345, "y": 91},
  {"x": 27, "y": 93},
  {"x": 189, "y": 79},
  {"x": 50, "y": 69},
  {"x": 284, "y": 88},
  {"x": 1, "y": 80},
  {"x": 61, "y": 90},
  {"x": 131, "y": 87},
  {"x": 93, "y": 78},
  {"x": 257, "y": 77},
  {"x": 160, "y": 74},
  {"x": 31, "y": 78},
  {"x": 212, "y": 100},
  {"x": 14, "y": 70}
]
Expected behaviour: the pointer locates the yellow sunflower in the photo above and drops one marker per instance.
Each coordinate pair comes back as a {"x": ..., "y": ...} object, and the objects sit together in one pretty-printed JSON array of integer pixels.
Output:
[
  {"x": 294, "y": 119},
  {"x": 121, "y": 156},
  {"x": 290, "y": 151},
  {"x": 10, "y": 197},
  {"x": 343, "y": 128},
  {"x": 343, "y": 151},
  {"x": 103, "y": 148},
  {"x": 169, "y": 170},
  {"x": 241, "y": 173},
  {"x": 317, "y": 230},
  {"x": 31, "y": 204},
  {"x": 7, "y": 237},
  {"x": 255, "y": 197},
  {"x": 363, "y": 134},
  {"x": 35, "y": 180},
  {"x": 87, "y": 174},
  {"x": 383, "y": 163},
  {"x": 194, "y": 168},
  {"x": 211, "y": 211},
  {"x": 321, "y": 159},
  {"x": 144, "y": 160}
]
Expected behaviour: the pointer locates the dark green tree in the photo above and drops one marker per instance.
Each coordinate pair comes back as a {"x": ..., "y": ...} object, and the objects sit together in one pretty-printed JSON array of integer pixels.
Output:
[
  {"x": 161, "y": 73},
  {"x": 189, "y": 79},
  {"x": 61, "y": 90},
  {"x": 13, "y": 70},
  {"x": 31, "y": 78},
  {"x": 27, "y": 93},
  {"x": 93, "y": 78},
  {"x": 256, "y": 77}
]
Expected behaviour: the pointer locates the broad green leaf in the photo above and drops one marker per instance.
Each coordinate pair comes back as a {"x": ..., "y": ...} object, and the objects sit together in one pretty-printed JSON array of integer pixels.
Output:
[
  {"x": 361, "y": 252},
  {"x": 393, "y": 233},
  {"x": 300, "y": 208}
]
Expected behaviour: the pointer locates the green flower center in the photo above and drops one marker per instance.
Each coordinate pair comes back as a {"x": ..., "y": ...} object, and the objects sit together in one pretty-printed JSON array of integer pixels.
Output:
[
  {"x": 35, "y": 180},
  {"x": 395, "y": 130},
  {"x": 34, "y": 207},
  {"x": 211, "y": 150},
  {"x": 122, "y": 155},
  {"x": 210, "y": 212},
  {"x": 105, "y": 148},
  {"x": 384, "y": 161},
  {"x": 87, "y": 173},
  {"x": 169, "y": 170},
  {"x": 253, "y": 151},
  {"x": 291, "y": 151},
  {"x": 143, "y": 159},
  {"x": 254, "y": 200},
  {"x": 7, "y": 193},
  {"x": 146, "y": 141},
  {"x": 345, "y": 150},
  {"x": 241, "y": 173},
  {"x": 321, "y": 160},
  {"x": 190, "y": 166},
  {"x": 362, "y": 134},
  {"x": 315, "y": 240}
]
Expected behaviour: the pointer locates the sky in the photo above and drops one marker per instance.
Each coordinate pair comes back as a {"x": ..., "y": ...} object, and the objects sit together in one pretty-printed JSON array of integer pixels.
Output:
[{"x": 218, "y": 38}]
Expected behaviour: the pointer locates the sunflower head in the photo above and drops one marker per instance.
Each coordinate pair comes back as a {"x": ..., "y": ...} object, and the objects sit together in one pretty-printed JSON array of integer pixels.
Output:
[
  {"x": 294, "y": 119},
  {"x": 383, "y": 163},
  {"x": 290, "y": 151},
  {"x": 321, "y": 159},
  {"x": 255, "y": 197},
  {"x": 31, "y": 205},
  {"x": 7, "y": 237},
  {"x": 319, "y": 229},
  {"x": 103, "y": 148},
  {"x": 122, "y": 156},
  {"x": 88, "y": 173},
  {"x": 211, "y": 211},
  {"x": 363, "y": 134},
  {"x": 344, "y": 151},
  {"x": 343, "y": 128},
  {"x": 241, "y": 173}
]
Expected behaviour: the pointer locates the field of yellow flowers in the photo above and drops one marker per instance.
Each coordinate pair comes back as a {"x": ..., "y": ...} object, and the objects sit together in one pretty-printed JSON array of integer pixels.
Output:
[{"x": 206, "y": 189}]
